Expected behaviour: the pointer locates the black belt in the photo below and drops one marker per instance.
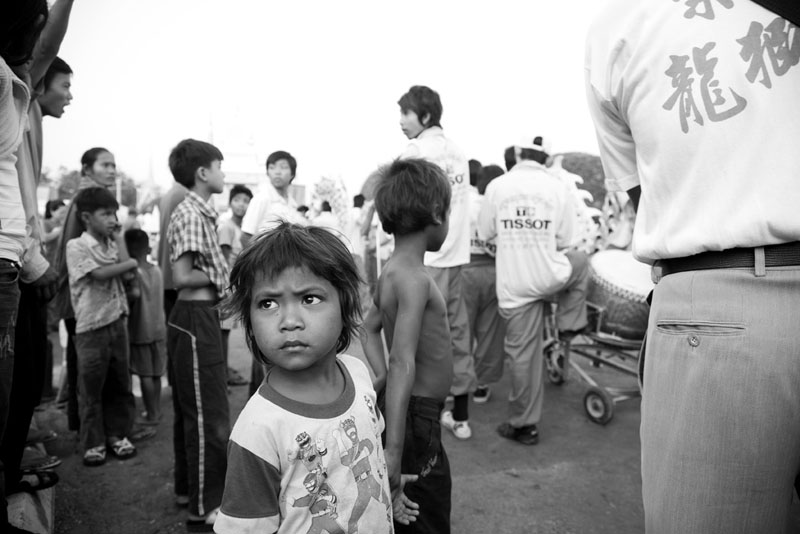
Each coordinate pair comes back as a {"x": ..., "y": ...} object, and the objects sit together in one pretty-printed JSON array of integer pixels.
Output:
[{"x": 782, "y": 255}]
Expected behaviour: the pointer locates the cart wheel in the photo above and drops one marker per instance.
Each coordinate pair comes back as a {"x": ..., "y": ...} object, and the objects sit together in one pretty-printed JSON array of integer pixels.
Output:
[
  {"x": 554, "y": 361},
  {"x": 599, "y": 405}
]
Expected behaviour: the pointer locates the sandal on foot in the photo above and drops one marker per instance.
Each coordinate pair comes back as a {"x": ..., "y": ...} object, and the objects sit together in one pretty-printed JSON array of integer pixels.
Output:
[
  {"x": 34, "y": 461},
  {"x": 143, "y": 433},
  {"x": 44, "y": 480},
  {"x": 123, "y": 449},
  {"x": 95, "y": 456},
  {"x": 203, "y": 524}
]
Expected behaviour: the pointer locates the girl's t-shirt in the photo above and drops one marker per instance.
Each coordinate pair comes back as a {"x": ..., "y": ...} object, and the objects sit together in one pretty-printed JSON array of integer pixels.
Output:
[{"x": 297, "y": 468}]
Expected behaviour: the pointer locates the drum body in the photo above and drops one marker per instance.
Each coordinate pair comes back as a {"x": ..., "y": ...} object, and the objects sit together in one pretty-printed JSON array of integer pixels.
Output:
[{"x": 619, "y": 284}]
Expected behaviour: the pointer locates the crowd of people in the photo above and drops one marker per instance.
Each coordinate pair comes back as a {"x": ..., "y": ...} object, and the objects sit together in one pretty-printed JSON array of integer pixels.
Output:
[{"x": 452, "y": 265}]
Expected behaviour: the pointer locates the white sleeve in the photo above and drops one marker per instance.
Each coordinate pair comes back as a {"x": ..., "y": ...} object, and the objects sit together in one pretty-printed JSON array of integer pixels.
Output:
[
  {"x": 614, "y": 138},
  {"x": 253, "y": 215}
]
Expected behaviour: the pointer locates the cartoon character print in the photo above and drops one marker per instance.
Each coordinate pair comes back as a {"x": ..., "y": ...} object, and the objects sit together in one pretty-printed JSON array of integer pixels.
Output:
[
  {"x": 321, "y": 504},
  {"x": 357, "y": 457},
  {"x": 309, "y": 453}
]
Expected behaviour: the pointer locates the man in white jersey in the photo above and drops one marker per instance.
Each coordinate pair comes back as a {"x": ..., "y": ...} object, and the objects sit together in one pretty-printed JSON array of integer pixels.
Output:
[
  {"x": 420, "y": 116},
  {"x": 698, "y": 117},
  {"x": 531, "y": 215}
]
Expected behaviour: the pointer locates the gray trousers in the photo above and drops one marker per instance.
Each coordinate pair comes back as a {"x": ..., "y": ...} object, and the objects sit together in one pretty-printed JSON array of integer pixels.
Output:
[{"x": 524, "y": 342}]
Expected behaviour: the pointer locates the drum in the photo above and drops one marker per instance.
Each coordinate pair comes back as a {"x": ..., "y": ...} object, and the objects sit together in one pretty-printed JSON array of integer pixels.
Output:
[{"x": 620, "y": 285}]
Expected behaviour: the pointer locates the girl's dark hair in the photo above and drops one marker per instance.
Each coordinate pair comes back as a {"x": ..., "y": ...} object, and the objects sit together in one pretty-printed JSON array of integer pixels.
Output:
[
  {"x": 291, "y": 245},
  {"x": 51, "y": 206},
  {"x": 90, "y": 156},
  {"x": 20, "y": 28}
]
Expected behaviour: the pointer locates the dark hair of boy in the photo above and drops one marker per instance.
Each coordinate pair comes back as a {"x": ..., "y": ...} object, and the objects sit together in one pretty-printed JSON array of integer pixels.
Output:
[
  {"x": 475, "y": 167},
  {"x": 138, "y": 243},
  {"x": 539, "y": 156},
  {"x": 413, "y": 194},
  {"x": 509, "y": 157},
  {"x": 20, "y": 26},
  {"x": 240, "y": 189},
  {"x": 291, "y": 245},
  {"x": 91, "y": 199},
  {"x": 188, "y": 156},
  {"x": 51, "y": 206},
  {"x": 423, "y": 101},
  {"x": 58, "y": 66},
  {"x": 487, "y": 174},
  {"x": 358, "y": 201},
  {"x": 275, "y": 157},
  {"x": 90, "y": 156}
]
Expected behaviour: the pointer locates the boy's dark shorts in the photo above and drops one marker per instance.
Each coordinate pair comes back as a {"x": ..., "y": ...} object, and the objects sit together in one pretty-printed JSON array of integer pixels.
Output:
[{"x": 424, "y": 455}]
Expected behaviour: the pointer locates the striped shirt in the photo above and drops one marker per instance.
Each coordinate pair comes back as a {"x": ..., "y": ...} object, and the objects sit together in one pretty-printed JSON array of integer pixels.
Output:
[{"x": 193, "y": 228}]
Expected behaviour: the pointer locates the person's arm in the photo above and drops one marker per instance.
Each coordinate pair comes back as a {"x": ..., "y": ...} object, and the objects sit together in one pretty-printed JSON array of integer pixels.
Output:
[
  {"x": 226, "y": 235},
  {"x": 184, "y": 275},
  {"x": 52, "y": 235},
  {"x": 49, "y": 42},
  {"x": 115, "y": 269},
  {"x": 373, "y": 347},
  {"x": 412, "y": 298}
]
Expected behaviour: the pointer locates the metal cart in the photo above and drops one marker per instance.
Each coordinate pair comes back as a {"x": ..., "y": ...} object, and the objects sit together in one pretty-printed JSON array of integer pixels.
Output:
[{"x": 601, "y": 350}]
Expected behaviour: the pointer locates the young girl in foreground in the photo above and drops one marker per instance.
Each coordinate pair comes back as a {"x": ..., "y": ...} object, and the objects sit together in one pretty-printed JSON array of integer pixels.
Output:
[{"x": 305, "y": 453}]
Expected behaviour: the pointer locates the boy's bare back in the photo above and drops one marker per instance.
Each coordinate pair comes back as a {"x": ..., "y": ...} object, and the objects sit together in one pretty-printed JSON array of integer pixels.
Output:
[{"x": 405, "y": 286}]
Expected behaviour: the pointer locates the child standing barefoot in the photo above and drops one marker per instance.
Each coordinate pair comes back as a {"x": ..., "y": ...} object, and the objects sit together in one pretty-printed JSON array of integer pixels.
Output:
[{"x": 305, "y": 454}]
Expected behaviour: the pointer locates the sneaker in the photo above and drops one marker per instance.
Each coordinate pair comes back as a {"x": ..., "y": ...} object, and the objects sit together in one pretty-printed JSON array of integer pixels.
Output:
[
  {"x": 460, "y": 429},
  {"x": 481, "y": 395},
  {"x": 527, "y": 435}
]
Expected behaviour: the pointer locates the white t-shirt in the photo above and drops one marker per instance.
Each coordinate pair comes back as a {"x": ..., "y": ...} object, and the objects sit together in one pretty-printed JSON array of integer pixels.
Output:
[
  {"x": 477, "y": 245},
  {"x": 699, "y": 104},
  {"x": 267, "y": 209},
  {"x": 433, "y": 146},
  {"x": 295, "y": 467},
  {"x": 531, "y": 215}
]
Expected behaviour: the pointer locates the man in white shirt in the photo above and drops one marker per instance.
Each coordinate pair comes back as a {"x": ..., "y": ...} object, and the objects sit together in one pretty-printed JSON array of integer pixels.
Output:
[
  {"x": 420, "y": 116},
  {"x": 273, "y": 203},
  {"x": 530, "y": 214},
  {"x": 698, "y": 118}
]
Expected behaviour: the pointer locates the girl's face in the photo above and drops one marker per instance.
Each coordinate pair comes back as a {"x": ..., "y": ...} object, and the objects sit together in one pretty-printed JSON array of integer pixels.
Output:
[
  {"x": 59, "y": 213},
  {"x": 296, "y": 320},
  {"x": 103, "y": 170}
]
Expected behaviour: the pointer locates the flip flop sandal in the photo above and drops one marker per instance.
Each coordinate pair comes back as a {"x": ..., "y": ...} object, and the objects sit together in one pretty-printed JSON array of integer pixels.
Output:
[
  {"x": 143, "y": 434},
  {"x": 34, "y": 461},
  {"x": 123, "y": 449},
  {"x": 44, "y": 480},
  {"x": 95, "y": 456},
  {"x": 143, "y": 420}
]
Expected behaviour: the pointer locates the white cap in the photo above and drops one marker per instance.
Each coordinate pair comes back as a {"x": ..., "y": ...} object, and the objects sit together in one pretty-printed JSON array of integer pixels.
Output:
[{"x": 531, "y": 144}]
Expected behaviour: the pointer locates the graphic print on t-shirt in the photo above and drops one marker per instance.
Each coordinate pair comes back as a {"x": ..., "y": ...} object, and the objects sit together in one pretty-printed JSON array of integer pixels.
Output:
[
  {"x": 356, "y": 455},
  {"x": 765, "y": 51}
]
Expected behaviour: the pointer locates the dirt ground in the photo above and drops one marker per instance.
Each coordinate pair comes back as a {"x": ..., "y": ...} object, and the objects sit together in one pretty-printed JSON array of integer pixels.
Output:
[{"x": 580, "y": 478}]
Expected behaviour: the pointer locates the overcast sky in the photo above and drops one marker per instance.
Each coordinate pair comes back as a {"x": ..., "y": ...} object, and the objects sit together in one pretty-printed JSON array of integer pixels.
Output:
[{"x": 320, "y": 79}]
